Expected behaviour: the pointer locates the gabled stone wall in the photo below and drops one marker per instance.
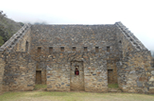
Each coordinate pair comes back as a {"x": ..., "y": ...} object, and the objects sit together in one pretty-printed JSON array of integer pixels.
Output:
[
  {"x": 127, "y": 42},
  {"x": 79, "y": 36},
  {"x": 134, "y": 67},
  {"x": 17, "y": 66}
]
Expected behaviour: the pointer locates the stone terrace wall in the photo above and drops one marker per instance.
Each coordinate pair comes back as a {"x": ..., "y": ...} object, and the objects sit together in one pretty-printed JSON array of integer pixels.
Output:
[
  {"x": 19, "y": 73},
  {"x": 136, "y": 73}
]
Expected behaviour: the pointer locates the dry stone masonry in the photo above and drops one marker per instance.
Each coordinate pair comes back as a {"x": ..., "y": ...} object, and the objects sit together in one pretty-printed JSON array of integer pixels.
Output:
[{"x": 50, "y": 54}]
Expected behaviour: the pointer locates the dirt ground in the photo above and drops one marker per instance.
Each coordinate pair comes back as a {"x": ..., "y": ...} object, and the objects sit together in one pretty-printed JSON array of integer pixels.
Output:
[{"x": 73, "y": 96}]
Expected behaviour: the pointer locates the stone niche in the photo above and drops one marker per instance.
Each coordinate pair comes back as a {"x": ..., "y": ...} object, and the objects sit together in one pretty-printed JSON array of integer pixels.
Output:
[{"x": 77, "y": 81}]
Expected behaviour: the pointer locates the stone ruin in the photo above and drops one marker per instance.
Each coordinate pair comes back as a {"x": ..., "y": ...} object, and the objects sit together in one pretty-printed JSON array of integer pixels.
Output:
[{"x": 102, "y": 54}]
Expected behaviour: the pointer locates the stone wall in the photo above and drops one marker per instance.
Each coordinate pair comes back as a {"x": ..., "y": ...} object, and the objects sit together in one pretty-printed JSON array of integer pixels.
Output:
[
  {"x": 2, "y": 65},
  {"x": 78, "y": 36},
  {"x": 24, "y": 42},
  {"x": 103, "y": 54},
  {"x": 136, "y": 72},
  {"x": 19, "y": 67},
  {"x": 127, "y": 42},
  {"x": 134, "y": 67},
  {"x": 19, "y": 72},
  {"x": 61, "y": 64},
  {"x": 153, "y": 62}
]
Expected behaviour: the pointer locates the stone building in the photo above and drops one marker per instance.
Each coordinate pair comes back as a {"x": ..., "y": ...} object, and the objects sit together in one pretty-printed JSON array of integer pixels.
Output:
[{"x": 56, "y": 54}]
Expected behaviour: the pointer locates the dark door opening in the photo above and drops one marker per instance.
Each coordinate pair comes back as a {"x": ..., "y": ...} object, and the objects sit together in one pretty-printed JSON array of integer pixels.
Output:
[
  {"x": 38, "y": 77},
  {"x": 110, "y": 76},
  {"x": 27, "y": 44}
]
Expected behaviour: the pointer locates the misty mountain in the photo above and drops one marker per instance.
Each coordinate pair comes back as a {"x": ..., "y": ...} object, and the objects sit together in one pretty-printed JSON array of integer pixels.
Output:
[{"x": 8, "y": 27}]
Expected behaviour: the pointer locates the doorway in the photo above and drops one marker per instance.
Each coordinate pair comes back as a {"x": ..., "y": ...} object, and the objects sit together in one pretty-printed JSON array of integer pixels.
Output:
[
  {"x": 110, "y": 76},
  {"x": 77, "y": 78},
  {"x": 38, "y": 77}
]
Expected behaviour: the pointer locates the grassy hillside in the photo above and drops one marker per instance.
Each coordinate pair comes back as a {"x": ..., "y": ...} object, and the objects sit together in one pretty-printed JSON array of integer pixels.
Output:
[{"x": 7, "y": 28}]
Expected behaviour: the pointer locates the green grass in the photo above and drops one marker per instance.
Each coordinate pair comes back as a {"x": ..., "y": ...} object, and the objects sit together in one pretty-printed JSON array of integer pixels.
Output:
[
  {"x": 73, "y": 96},
  {"x": 113, "y": 86},
  {"x": 40, "y": 86},
  {"x": 10, "y": 95}
]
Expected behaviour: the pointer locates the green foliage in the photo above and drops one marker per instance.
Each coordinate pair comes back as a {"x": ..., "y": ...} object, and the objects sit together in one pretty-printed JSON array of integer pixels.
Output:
[
  {"x": 1, "y": 41},
  {"x": 22, "y": 24},
  {"x": 113, "y": 85},
  {"x": 8, "y": 27}
]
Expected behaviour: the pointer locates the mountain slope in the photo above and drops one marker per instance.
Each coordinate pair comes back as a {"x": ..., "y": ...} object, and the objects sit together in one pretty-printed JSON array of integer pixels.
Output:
[{"x": 7, "y": 28}]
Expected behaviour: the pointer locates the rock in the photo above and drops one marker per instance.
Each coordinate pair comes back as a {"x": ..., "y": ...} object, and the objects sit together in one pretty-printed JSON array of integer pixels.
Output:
[
  {"x": 152, "y": 72},
  {"x": 152, "y": 78}
]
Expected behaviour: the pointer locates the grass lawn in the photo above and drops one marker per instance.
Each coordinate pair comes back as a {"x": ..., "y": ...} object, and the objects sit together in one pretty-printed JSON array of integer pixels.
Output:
[
  {"x": 73, "y": 96},
  {"x": 40, "y": 86}
]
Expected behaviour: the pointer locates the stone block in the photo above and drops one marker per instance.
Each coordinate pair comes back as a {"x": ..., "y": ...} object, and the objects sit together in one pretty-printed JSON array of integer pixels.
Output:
[
  {"x": 152, "y": 72},
  {"x": 152, "y": 78},
  {"x": 139, "y": 84}
]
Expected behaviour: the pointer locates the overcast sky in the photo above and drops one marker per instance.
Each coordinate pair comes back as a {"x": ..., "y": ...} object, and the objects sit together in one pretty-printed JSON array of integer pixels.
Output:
[{"x": 137, "y": 15}]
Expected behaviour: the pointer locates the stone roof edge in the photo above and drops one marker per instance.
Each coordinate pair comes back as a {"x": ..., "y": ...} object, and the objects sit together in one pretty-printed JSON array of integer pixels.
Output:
[{"x": 131, "y": 37}]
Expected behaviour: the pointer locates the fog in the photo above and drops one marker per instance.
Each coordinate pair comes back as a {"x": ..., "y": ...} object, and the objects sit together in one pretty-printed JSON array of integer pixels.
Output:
[{"x": 137, "y": 15}]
